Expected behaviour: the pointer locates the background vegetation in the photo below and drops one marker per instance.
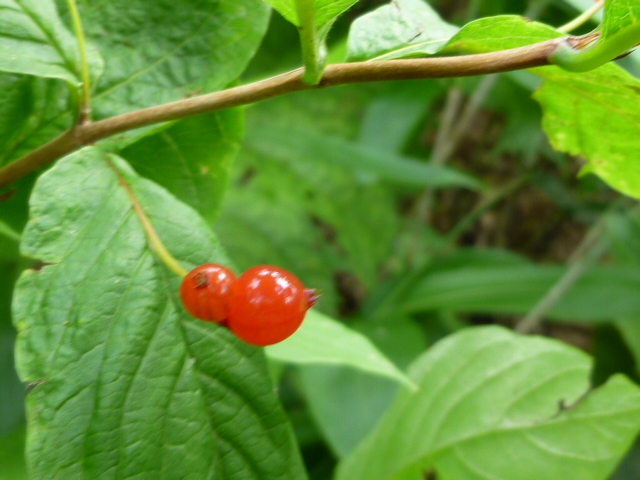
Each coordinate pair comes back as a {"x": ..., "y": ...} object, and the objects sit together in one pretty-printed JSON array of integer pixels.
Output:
[{"x": 418, "y": 208}]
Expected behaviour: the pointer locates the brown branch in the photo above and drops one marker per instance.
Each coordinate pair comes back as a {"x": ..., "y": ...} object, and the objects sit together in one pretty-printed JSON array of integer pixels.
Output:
[{"x": 337, "y": 74}]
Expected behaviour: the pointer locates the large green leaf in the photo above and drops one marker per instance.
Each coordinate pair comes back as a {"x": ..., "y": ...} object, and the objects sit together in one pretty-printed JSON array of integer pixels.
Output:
[
  {"x": 164, "y": 50},
  {"x": 322, "y": 340},
  {"x": 34, "y": 41},
  {"x": 595, "y": 114},
  {"x": 192, "y": 159},
  {"x": 404, "y": 28},
  {"x": 488, "y": 408},
  {"x": 126, "y": 384}
]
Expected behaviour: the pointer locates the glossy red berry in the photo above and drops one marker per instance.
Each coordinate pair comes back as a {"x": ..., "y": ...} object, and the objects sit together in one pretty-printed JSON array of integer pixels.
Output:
[
  {"x": 206, "y": 292},
  {"x": 268, "y": 305}
]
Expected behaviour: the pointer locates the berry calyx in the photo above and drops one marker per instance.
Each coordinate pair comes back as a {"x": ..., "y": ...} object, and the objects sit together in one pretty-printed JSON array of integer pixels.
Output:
[
  {"x": 206, "y": 292},
  {"x": 268, "y": 304}
]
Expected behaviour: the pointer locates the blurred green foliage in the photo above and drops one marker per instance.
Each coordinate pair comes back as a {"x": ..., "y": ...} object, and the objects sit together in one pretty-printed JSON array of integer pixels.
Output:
[{"x": 406, "y": 253}]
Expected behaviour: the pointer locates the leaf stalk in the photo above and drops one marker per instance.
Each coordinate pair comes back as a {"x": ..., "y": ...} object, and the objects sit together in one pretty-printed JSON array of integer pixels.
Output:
[
  {"x": 313, "y": 52},
  {"x": 162, "y": 252},
  {"x": 85, "y": 105}
]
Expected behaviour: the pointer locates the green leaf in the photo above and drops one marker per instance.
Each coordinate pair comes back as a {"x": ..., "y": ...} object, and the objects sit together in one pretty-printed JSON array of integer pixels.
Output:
[
  {"x": 12, "y": 466},
  {"x": 325, "y": 11},
  {"x": 166, "y": 50},
  {"x": 314, "y": 19},
  {"x": 619, "y": 15},
  {"x": 127, "y": 385},
  {"x": 404, "y": 28},
  {"x": 630, "y": 465},
  {"x": 33, "y": 113},
  {"x": 515, "y": 289},
  {"x": 8, "y": 233},
  {"x": 623, "y": 234},
  {"x": 306, "y": 144},
  {"x": 192, "y": 159},
  {"x": 619, "y": 32},
  {"x": 12, "y": 391},
  {"x": 15, "y": 108},
  {"x": 336, "y": 395},
  {"x": 488, "y": 390},
  {"x": 43, "y": 106},
  {"x": 322, "y": 340},
  {"x": 501, "y": 32},
  {"x": 630, "y": 330},
  {"x": 34, "y": 41},
  {"x": 595, "y": 114},
  {"x": 345, "y": 404}
]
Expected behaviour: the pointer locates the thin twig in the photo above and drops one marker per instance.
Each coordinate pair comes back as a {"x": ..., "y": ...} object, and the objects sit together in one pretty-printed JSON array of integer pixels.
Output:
[
  {"x": 152, "y": 235},
  {"x": 442, "y": 144},
  {"x": 582, "y": 18},
  {"x": 535, "y": 55},
  {"x": 466, "y": 117},
  {"x": 449, "y": 134},
  {"x": 590, "y": 249}
]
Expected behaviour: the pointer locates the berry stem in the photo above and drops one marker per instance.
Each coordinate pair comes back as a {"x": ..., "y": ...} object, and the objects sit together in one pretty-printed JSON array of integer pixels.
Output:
[{"x": 168, "y": 259}]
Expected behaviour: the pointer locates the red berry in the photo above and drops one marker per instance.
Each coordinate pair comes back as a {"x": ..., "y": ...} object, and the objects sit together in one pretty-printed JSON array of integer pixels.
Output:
[
  {"x": 268, "y": 305},
  {"x": 206, "y": 292}
]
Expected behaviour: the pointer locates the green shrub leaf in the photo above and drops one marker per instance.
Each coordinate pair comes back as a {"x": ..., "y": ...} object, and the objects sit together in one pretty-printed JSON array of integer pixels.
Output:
[
  {"x": 166, "y": 50},
  {"x": 404, "y": 28},
  {"x": 125, "y": 383},
  {"x": 322, "y": 340},
  {"x": 516, "y": 287},
  {"x": 192, "y": 158},
  {"x": 335, "y": 395},
  {"x": 34, "y": 41},
  {"x": 490, "y": 407},
  {"x": 595, "y": 114}
]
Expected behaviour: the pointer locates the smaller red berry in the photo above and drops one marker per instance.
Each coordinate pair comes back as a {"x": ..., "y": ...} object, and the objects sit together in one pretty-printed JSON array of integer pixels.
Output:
[
  {"x": 206, "y": 292},
  {"x": 268, "y": 304}
]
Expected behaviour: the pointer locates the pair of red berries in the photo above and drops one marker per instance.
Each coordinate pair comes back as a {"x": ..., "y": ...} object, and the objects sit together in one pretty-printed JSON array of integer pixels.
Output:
[{"x": 263, "y": 306}]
